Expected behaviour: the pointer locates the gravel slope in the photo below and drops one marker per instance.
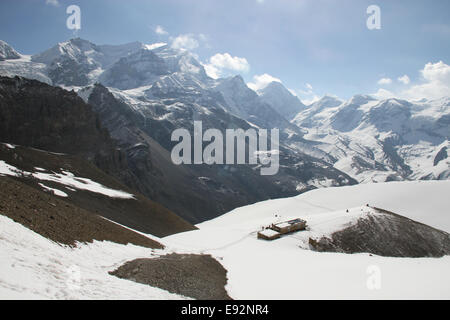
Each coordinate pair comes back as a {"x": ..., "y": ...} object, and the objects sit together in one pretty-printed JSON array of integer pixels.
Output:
[{"x": 196, "y": 276}]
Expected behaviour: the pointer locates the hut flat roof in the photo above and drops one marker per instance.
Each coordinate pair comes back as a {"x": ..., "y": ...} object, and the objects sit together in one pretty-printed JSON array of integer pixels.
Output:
[
  {"x": 269, "y": 233},
  {"x": 283, "y": 224}
]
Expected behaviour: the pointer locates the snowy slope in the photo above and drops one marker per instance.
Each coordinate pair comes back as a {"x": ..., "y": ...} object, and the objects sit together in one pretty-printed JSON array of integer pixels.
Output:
[
  {"x": 423, "y": 201},
  {"x": 24, "y": 67},
  {"x": 33, "y": 267},
  {"x": 282, "y": 270}
]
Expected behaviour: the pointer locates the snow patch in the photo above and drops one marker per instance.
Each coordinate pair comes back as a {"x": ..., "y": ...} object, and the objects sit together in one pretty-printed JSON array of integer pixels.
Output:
[
  {"x": 10, "y": 146},
  {"x": 7, "y": 170},
  {"x": 56, "y": 192},
  {"x": 155, "y": 45},
  {"x": 67, "y": 179}
]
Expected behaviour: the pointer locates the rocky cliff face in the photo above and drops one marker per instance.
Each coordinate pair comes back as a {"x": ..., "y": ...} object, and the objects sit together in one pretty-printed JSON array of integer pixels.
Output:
[{"x": 49, "y": 118}]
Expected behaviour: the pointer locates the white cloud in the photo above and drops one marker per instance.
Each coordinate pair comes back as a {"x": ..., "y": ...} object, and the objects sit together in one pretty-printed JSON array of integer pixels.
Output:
[
  {"x": 384, "y": 81},
  {"x": 404, "y": 79},
  {"x": 185, "y": 42},
  {"x": 435, "y": 82},
  {"x": 308, "y": 86},
  {"x": 439, "y": 72},
  {"x": 221, "y": 63},
  {"x": 52, "y": 2},
  {"x": 261, "y": 81},
  {"x": 160, "y": 30}
]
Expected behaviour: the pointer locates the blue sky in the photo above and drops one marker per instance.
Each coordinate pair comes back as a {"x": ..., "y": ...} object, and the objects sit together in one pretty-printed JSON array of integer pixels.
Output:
[{"x": 314, "y": 47}]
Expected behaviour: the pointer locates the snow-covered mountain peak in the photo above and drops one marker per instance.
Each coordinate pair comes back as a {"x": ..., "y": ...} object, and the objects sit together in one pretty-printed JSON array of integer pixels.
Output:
[
  {"x": 391, "y": 139},
  {"x": 180, "y": 60},
  {"x": 327, "y": 101},
  {"x": 357, "y": 135},
  {"x": 7, "y": 52},
  {"x": 235, "y": 87},
  {"x": 148, "y": 66},
  {"x": 361, "y": 99},
  {"x": 273, "y": 86},
  {"x": 281, "y": 99},
  {"x": 394, "y": 102},
  {"x": 75, "y": 49},
  {"x": 317, "y": 112}
]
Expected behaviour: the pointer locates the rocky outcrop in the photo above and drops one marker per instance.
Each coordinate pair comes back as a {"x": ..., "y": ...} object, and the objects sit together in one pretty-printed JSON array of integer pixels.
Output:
[
  {"x": 386, "y": 234},
  {"x": 196, "y": 276}
]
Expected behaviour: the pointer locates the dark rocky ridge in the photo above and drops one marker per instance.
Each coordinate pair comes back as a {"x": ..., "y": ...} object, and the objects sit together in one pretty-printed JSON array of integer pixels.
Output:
[
  {"x": 387, "y": 234},
  {"x": 441, "y": 155},
  {"x": 37, "y": 115},
  {"x": 59, "y": 220},
  {"x": 139, "y": 213}
]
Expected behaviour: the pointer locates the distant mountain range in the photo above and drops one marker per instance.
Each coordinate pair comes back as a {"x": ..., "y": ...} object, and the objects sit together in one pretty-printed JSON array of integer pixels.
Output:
[
  {"x": 373, "y": 140},
  {"x": 141, "y": 93}
]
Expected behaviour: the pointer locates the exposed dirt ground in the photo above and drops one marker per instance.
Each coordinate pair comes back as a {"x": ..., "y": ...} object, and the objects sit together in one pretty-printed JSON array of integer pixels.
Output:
[
  {"x": 139, "y": 214},
  {"x": 196, "y": 276},
  {"x": 61, "y": 221}
]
